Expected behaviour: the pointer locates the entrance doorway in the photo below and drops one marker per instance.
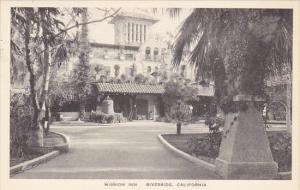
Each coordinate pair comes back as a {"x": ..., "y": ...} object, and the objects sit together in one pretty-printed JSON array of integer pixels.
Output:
[{"x": 142, "y": 109}]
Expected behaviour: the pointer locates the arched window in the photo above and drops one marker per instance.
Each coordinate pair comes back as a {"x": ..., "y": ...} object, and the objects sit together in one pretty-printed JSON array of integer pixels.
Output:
[
  {"x": 155, "y": 51},
  {"x": 148, "y": 53},
  {"x": 155, "y": 54}
]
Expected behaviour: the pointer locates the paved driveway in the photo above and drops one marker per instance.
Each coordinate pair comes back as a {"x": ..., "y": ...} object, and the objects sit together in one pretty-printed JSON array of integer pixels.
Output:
[{"x": 125, "y": 151}]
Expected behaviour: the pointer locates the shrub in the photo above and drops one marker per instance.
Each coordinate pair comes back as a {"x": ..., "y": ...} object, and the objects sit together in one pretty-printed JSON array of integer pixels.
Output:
[
  {"x": 214, "y": 124},
  {"x": 106, "y": 118},
  {"x": 118, "y": 118},
  {"x": 280, "y": 144},
  {"x": 20, "y": 123},
  {"x": 281, "y": 147},
  {"x": 209, "y": 145},
  {"x": 109, "y": 118}
]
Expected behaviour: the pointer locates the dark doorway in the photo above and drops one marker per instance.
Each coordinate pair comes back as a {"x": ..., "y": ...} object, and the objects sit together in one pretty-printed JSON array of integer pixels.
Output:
[{"x": 142, "y": 109}]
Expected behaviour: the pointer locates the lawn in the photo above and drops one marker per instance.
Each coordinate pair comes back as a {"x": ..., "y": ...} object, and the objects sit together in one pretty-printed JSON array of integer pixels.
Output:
[{"x": 280, "y": 144}]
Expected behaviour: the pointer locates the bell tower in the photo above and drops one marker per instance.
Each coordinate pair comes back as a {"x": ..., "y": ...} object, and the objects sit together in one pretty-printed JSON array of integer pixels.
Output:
[{"x": 132, "y": 28}]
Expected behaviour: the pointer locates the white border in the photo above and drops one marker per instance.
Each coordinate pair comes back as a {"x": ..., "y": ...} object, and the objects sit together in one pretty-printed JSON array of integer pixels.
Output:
[{"x": 26, "y": 184}]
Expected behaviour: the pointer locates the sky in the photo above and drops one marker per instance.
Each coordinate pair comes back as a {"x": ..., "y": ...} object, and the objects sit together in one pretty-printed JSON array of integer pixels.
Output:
[{"x": 104, "y": 32}]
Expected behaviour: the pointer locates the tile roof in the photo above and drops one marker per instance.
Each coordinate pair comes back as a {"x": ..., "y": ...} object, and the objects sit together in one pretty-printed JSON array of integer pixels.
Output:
[
  {"x": 132, "y": 88},
  {"x": 129, "y": 88},
  {"x": 114, "y": 46}
]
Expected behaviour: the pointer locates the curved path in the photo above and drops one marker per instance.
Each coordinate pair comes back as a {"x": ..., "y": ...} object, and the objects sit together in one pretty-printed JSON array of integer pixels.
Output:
[{"x": 125, "y": 151}]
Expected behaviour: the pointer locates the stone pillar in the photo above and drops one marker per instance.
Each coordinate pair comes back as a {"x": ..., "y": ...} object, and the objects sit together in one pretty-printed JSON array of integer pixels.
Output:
[
  {"x": 245, "y": 151},
  {"x": 141, "y": 34},
  {"x": 128, "y": 30},
  {"x": 133, "y": 32},
  {"x": 108, "y": 106}
]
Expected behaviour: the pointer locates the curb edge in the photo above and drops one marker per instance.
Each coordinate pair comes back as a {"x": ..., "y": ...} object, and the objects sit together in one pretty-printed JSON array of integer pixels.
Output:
[
  {"x": 31, "y": 163},
  {"x": 186, "y": 156}
]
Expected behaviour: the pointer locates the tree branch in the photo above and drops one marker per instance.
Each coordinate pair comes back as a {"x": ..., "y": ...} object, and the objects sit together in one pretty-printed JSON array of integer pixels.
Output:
[{"x": 85, "y": 23}]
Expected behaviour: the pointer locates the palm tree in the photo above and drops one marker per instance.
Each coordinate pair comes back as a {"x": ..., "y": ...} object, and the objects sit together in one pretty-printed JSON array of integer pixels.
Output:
[
  {"x": 238, "y": 49},
  {"x": 256, "y": 44},
  {"x": 83, "y": 66}
]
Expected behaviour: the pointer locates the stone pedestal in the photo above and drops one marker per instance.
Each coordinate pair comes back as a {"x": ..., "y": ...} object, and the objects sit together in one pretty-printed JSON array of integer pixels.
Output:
[{"x": 245, "y": 152}]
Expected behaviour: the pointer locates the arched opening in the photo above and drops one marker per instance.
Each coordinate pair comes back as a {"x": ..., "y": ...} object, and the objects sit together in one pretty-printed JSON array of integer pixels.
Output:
[
  {"x": 148, "y": 53},
  {"x": 155, "y": 54},
  {"x": 149, "y": 69}
]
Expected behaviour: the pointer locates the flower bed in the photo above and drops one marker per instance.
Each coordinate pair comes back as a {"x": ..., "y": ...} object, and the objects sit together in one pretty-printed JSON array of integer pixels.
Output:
[{"x": 200, "y": 146}]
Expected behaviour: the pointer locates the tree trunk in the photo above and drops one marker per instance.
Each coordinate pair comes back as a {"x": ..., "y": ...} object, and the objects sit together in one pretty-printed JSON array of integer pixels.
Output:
[
  {"x": 178, "y": 128},
  {"x": 35, "y": 134},
  {"x": 81, "y": 110},
  {"x": 84, "y": 62},
  {"x": 44, "y": 100}
]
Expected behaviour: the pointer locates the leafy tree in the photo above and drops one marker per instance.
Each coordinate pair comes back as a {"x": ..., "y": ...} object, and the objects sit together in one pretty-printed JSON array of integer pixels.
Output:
[
  {"x": 164, "y": 77},
  {"x": 37, "y": 28},
  {"x": 177, "y": 99},
  {"x": 181, "y": 113},
  {"x": 98, "y": 69},
  {"x": 139, "y": 79},
  {"x": 124, "y": 78},
  {"x": 117, "y": 70},
  {"x": 61, "y": 90},
  {"x": 133, "y": 70},
  {"x": 178, "y": 91},
  {"x": 44, "y": 45}
]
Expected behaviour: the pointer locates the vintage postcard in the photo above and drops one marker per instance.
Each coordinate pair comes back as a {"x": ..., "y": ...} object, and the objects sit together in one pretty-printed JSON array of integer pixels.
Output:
[{"x": 149, "y": 94}]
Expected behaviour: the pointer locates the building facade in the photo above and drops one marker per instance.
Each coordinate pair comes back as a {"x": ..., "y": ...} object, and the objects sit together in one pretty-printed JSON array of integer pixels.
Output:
[{"x": 136, "y": 50}]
